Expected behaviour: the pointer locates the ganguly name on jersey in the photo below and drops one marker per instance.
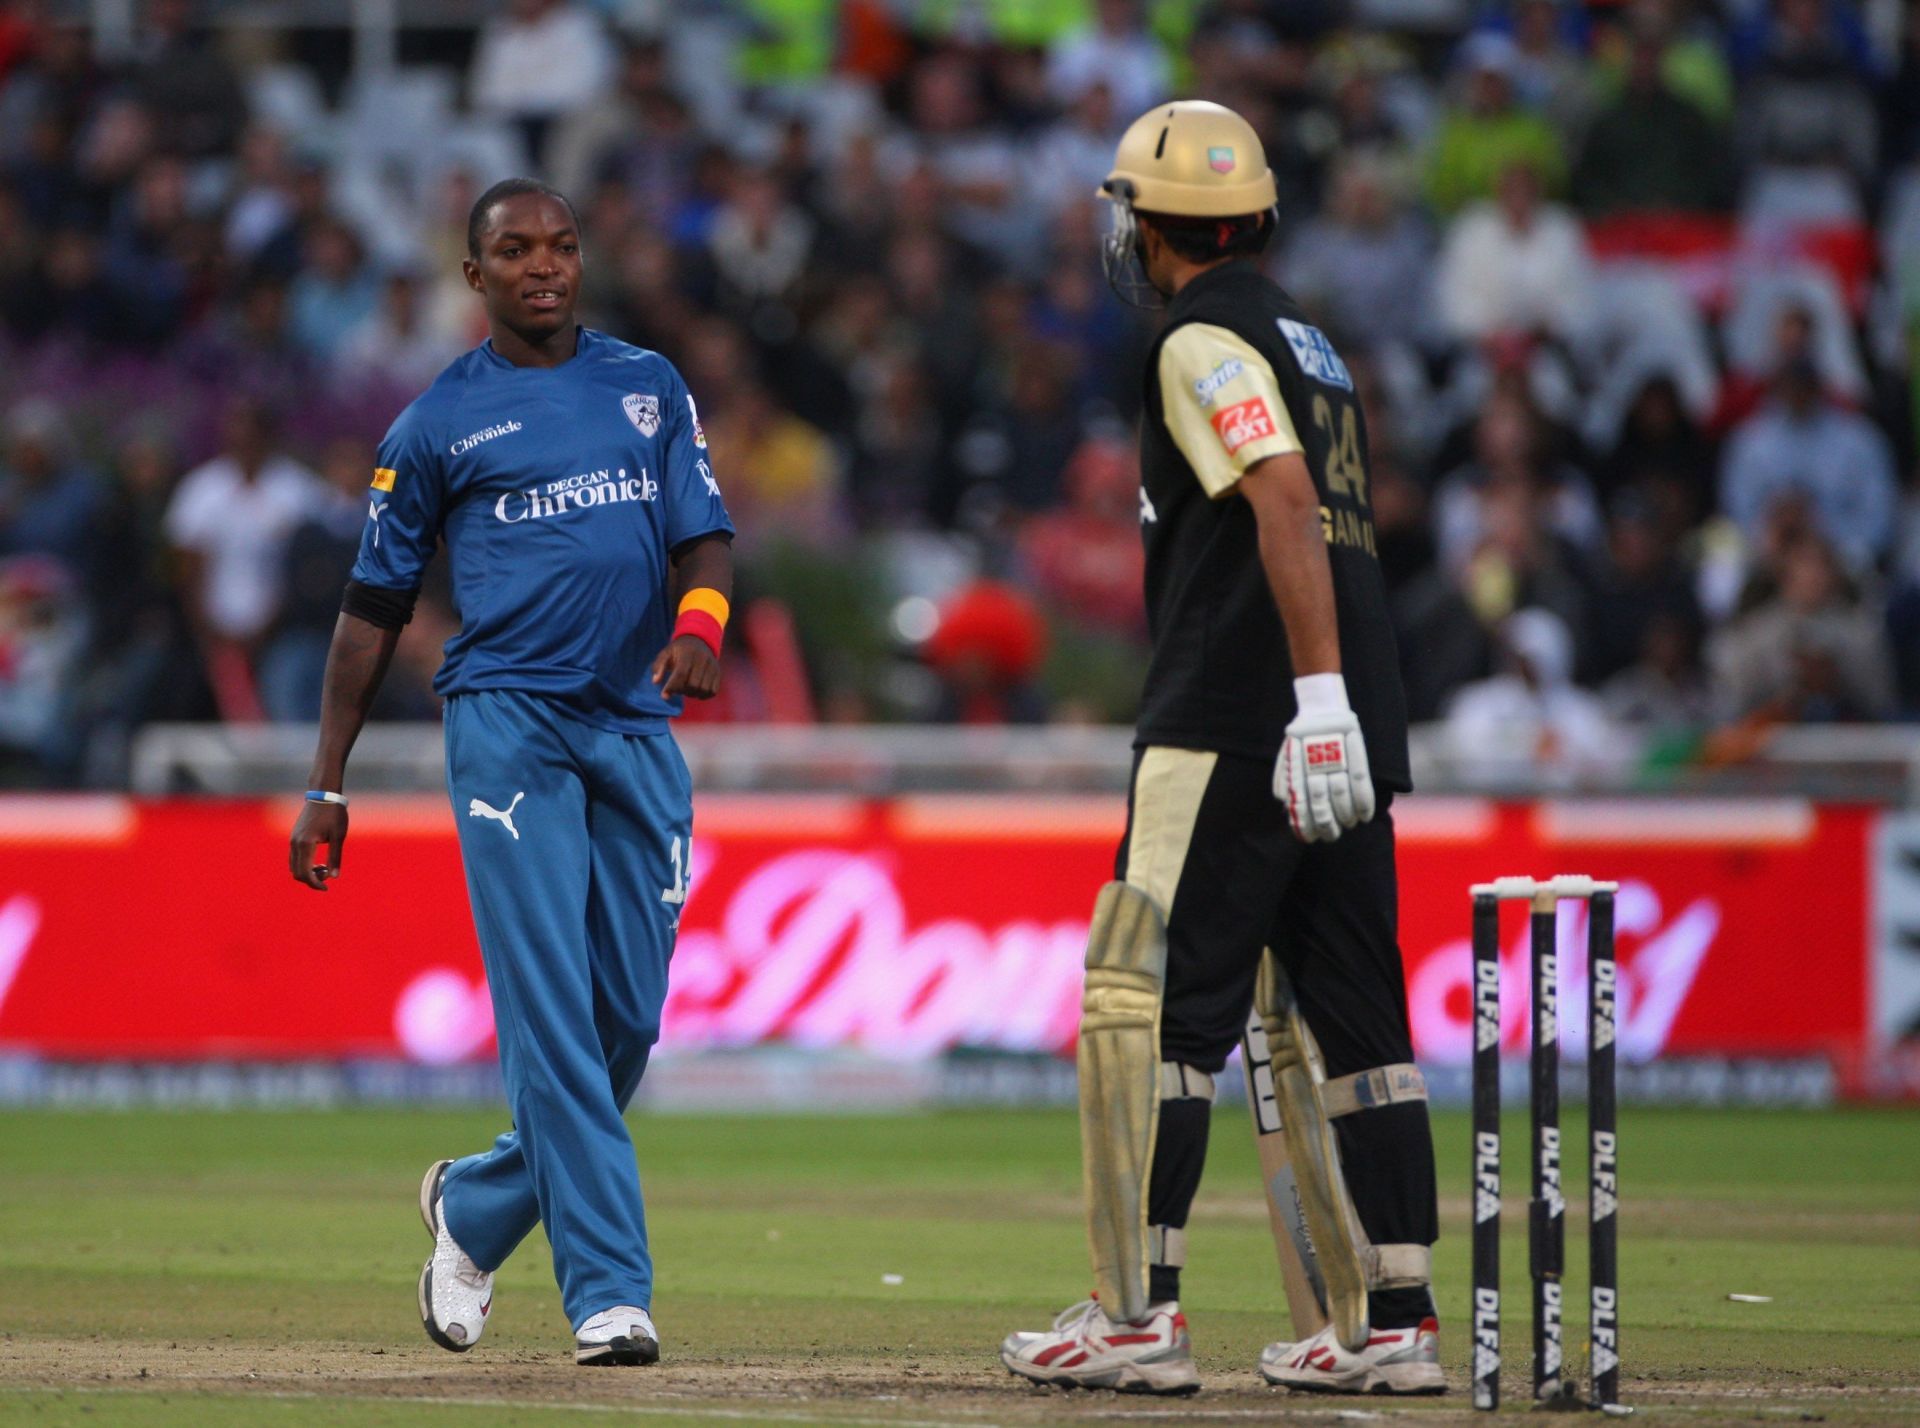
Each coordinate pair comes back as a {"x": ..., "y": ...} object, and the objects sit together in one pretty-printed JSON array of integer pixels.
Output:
[{"x": 1347, "y": 528}]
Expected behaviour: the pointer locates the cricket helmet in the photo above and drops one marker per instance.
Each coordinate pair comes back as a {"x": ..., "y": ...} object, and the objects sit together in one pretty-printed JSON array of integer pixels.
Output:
[
  {"x": 1188, "y": 159},
  {"x": 1193, "y": 159}
]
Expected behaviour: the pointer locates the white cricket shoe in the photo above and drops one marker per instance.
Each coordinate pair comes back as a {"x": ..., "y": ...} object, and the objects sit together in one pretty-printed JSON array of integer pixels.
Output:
[
  {"x": 456, "y": 1295},
  {"x": 623, "y": 1335},
  {"x": 1086, "y": 1349},
  {"x": 1393, "y": 1361}
]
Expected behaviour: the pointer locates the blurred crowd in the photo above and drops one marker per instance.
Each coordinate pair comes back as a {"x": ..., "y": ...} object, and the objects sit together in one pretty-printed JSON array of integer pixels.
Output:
[{"x": 1631, "y": 289}]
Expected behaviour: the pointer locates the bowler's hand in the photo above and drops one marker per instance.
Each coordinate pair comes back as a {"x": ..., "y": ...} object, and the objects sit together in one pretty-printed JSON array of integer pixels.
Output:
[
  {"x": 687, "y": 667},
  {"x": 318, "y": 823}
]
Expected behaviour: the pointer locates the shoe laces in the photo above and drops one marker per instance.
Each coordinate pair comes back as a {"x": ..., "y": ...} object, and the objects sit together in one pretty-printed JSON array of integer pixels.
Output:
[{"x": 1078, "y": 1319}]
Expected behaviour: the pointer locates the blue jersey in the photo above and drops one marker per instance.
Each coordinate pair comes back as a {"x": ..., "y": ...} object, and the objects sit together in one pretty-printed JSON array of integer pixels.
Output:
[{"x": 560, "y": 491}]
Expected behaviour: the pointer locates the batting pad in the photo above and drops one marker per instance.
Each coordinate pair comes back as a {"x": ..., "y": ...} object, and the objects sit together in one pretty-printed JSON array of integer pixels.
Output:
[{"x": 1119, "y": 1059}]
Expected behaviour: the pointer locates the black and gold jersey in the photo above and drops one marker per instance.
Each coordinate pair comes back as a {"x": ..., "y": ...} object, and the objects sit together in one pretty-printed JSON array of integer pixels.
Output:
[{"x": 1241, "y": 374}]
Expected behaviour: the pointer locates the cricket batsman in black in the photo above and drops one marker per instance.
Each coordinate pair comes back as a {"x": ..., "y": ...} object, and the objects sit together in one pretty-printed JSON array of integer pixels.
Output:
[{"x": 1258, "y": 864}]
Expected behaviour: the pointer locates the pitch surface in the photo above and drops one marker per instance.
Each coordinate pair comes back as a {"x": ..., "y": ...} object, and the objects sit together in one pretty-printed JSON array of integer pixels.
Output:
[{"x": 205, "y": 1269}]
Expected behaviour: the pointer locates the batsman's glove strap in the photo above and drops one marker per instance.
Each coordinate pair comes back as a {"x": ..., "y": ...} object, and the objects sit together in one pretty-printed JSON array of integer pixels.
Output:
[
  {"x": 389, "y": 609},
  {"x": 1320, "y": 694}
]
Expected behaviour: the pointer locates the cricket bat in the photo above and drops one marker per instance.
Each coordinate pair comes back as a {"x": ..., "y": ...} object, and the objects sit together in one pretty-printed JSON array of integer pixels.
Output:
[{"x": 1299, "y": 1270}]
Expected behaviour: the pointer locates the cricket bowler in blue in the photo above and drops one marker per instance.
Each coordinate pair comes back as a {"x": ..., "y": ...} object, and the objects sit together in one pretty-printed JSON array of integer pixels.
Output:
[{"x": 592, "y": 563}]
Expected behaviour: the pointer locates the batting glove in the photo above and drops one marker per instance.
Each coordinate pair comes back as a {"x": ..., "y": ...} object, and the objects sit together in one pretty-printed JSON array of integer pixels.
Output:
[{"x": 1322, "y": 775}]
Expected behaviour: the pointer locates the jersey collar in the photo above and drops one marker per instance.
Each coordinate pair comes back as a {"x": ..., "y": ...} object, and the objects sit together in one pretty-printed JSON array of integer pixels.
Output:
[
  {"x": 1238, "y": 270},
  {"x": 584, "y": 337}
]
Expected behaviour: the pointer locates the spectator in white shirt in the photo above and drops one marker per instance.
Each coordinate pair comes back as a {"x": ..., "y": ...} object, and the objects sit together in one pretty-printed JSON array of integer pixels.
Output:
[
  {"x": 541, "y": 61},
  {"x": 1515, "y": 264},
  {"x": 760, "y": 242},
  {"x": 228, "y": 522},
  {"x": 1531, "y": 723}
]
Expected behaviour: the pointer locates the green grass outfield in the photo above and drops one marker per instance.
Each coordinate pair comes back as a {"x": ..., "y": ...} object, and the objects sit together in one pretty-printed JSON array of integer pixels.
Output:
[{"x": 201, "y": 1269}]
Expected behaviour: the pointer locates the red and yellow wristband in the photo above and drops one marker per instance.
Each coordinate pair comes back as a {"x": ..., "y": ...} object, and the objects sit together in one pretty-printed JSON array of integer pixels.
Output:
[{"x": 703, "y": 614}]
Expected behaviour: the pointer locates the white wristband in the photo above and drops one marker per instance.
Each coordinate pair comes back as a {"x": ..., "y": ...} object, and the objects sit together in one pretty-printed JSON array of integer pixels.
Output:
[{"x": 1321, "y": 694}]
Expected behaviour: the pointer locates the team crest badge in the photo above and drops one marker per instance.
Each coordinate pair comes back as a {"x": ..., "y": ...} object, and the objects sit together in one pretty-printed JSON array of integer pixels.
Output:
[
  {"x": 1220, "y": 160},
  {"x": 643, "y": 411}
]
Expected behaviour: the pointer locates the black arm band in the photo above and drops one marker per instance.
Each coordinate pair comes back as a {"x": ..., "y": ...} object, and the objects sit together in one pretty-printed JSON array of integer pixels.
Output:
[{"x": 389, "y": 609}]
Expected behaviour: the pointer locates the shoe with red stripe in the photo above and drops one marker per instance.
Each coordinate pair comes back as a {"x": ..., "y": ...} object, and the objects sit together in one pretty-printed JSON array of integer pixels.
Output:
[
  {"x": 1086, "y": 1349},
  {"x": 456, "y": 1295},
  {"x": 1393, "y": 1361}
]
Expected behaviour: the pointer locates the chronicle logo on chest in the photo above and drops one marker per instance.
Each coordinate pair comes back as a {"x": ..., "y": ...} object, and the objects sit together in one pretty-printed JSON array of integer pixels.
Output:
[
  {"x": 576, "y": 493},
  {"x": 643, "y": 410}
]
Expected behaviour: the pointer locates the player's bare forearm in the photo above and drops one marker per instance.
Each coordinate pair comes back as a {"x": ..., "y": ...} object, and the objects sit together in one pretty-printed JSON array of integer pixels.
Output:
[
  {"x": 357, "y": 660},
  {"x": 1293, "y": 553},
  {"x": 707, "y": 564}
]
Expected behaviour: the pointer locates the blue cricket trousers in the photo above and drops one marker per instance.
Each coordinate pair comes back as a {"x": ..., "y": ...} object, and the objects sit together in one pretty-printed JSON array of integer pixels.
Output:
[{"x": 575, "y": 840}]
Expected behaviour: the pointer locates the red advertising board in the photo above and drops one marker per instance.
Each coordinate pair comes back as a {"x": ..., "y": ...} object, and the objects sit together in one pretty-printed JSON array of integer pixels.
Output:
[{"x": 903, "y": 927}]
